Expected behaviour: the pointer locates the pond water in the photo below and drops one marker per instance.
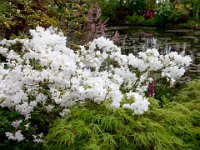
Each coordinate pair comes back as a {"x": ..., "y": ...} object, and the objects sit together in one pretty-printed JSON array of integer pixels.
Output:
[{"x": 186, "y": 42}]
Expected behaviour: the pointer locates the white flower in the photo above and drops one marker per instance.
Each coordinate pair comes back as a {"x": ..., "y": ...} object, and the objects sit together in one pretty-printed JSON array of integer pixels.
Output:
[
  {"x": 24, "y": 108},
  {"x": 53, "y": 75},
  {"x": 41, "y": 98},
  {"x": 140, "y": 104},
  {"x": 33, "y": 103},
  {"x": 137, "y": 63},
  {"x": 10, "y": 136},
  {"x": 180, "y": 60},
  {"x": 27, "y": 126},
  {"x": 16, "y": 123},
  {"x": 64, "y": 112},
  {"x": 173, "y": 72},
  {"x": 18, "y": 136},
  {"x": 130, "y": 95},
  {"x": 38, "y": 138},
  {"x": 49, "y": 108},
  {"x": 127, "y": 106},
  {"x": 115, "y": 105}
]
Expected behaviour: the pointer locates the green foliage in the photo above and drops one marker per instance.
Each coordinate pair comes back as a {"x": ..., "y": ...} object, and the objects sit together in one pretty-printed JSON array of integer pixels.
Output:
[
  {"x": 190, "y": 92},
  {"x": 5, "y": 125},
  {"x": 140, "y": 20},
  {"x": 135, "y": 7},
  {"x": 5, "y": 122},
  {"x": 108, "y": 7},
  {"x": 191, "y": 24},
  {"x": 136, "y": 20},
  {"x": 71, "y": 15},
  {"x": 18, "y": 16},
  {"x": 180, "y": 13},
  {"x": 178, "y": 17},
  {"x": 168, "y": 13},
  {"x": 92, "y": 126},
  {"x": 164, "y": 11},
  {"x": 39, "y": 124},
  {"x": 163, "y": 93},
  {"x": 195, "y": 7},
  {"x": 116, "y": 11}
]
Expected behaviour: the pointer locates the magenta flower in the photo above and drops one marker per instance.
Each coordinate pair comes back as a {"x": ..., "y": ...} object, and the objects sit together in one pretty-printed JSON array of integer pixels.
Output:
[{"x": 151, "y": 89}]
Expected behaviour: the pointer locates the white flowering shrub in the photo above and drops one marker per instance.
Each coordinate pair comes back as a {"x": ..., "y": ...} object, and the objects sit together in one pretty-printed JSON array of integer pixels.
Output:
[{"x": 48, "y": 74}]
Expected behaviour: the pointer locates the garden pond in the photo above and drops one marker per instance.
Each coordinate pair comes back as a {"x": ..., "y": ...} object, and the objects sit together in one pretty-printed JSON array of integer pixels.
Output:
[{"x": 185, "y": 42}]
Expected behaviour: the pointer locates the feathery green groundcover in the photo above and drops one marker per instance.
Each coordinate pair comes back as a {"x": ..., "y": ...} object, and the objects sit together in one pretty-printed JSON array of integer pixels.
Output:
[{"x": 92, "y": 126}]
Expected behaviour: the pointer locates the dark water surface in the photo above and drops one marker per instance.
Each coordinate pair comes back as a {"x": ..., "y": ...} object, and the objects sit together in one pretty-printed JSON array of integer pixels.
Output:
[{"x": 186, "y": 42}]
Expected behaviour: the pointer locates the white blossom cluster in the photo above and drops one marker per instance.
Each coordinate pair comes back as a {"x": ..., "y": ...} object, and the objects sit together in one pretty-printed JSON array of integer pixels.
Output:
[
  {"x": 140, "y": 105},
  {"x": 97, "y": 71},
  {"x": 38, "y": 138},
  {"x": 18, "y": 136}
]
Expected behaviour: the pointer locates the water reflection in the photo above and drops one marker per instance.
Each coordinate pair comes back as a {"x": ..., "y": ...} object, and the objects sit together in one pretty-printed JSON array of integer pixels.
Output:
[{"x": 185, "y": 42}]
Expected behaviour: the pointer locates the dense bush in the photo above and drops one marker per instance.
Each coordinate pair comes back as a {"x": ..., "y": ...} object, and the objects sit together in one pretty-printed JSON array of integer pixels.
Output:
[
  {"x": 140, "y": 20},
  {"x": 116, "y": 11},
  {"x": 166, "y": 14},
  {"x": 9, "y": 118},
  {"x": 164, "y": 10},
  {"x": 42, "y": 76},
  {"x": 136, "y": 7},
  {"x": 136, "y": 20},
  {"x": 190, "y": 24},
  {"x": 178, "y": 17},
  {"x": 195, "y": 4},
  {"x": 41, "y": 79},
  {"x": 180, "y": 14},
  {"x": 109, "y": 8},
  {"x": 88, "y": 126},
  {"x": 17, "y": 17}
]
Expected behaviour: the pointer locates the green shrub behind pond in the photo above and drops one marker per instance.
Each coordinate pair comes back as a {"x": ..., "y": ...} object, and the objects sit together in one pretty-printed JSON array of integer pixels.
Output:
[
  {"x": 190, "y": 24},
  {"x": 141, "y": 21},
  {"x": 175, "y": 126},
  {"x": 178, "y": 17}
]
